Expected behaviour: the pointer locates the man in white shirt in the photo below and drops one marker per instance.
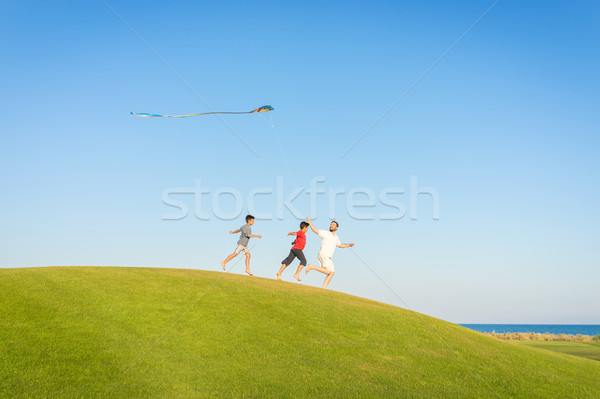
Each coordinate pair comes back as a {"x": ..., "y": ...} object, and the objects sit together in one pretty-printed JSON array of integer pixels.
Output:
[{"x": 329, "y": 240}]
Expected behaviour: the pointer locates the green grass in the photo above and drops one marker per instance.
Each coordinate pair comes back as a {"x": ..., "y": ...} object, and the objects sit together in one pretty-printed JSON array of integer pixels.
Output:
[
  {"x": 169, "y": 333},
  {"x": 588, "y": 350}
]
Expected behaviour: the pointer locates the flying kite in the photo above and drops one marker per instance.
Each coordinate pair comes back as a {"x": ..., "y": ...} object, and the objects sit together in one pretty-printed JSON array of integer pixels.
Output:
[{"x": 265, "y": 108}]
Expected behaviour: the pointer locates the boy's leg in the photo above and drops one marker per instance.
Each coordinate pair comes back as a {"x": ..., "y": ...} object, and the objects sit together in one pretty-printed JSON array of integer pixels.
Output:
[
  {"x": 302, "y": 259},
  {"x": 248, "y": 264},
  {"x": 285, "y": 263},
  {"x": 297, "y": 275},
  {"x": 283, "y": 266},
  {"x": 233, "y": 255}
]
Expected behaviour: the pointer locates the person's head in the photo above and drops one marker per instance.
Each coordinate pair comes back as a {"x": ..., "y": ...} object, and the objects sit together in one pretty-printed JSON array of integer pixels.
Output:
[
  {"x": 304, "y": 226},
  {"x": 250, "y": 220},
  {"x": 333, "y": 226}
]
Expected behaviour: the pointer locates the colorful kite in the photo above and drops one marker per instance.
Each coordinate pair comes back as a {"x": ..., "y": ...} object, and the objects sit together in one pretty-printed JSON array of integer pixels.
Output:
[{"x": 265, "y": 108}]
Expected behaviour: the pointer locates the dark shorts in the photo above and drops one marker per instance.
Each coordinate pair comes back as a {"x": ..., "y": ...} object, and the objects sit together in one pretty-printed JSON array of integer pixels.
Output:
[{"x": 294, "y": 253}]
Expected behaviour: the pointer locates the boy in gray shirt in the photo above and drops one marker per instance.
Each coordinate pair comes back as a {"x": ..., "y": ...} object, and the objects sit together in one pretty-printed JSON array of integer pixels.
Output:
[{"x": 246, "y": 233}]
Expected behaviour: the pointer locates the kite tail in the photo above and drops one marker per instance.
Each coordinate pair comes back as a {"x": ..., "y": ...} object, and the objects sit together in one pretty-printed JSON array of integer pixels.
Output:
[{"x": 265, "y": 108}]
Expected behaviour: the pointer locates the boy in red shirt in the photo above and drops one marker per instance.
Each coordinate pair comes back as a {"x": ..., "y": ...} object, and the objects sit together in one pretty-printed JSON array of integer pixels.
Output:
[{"x": 296, "y": 251}]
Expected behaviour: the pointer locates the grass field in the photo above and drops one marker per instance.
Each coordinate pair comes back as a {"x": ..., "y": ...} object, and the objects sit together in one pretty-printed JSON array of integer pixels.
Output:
[
  {"x": 588, "y": 350},
  {"x": 170, "y": 333}
]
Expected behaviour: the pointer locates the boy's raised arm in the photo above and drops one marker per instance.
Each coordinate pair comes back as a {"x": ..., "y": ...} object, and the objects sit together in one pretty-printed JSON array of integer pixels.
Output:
[
  {"x": 293, "y": 233},
  {"x": 233, "y": 232},
  {"x": 311, "y": 226}
]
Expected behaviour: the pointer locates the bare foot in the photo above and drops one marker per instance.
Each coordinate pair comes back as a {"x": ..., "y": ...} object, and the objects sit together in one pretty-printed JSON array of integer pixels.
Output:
[
  {"x": 279, "y": 276},
  {"x": 309, "y": 267},
  {"x": 223, "y": 264},
  {"x": 297, "y": 277},
  {"x": 248, "y": 271}
]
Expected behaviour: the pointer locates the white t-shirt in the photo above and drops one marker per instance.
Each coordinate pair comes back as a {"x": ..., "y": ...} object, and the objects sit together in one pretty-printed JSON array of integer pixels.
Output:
[{"x": 329, "y": 242}]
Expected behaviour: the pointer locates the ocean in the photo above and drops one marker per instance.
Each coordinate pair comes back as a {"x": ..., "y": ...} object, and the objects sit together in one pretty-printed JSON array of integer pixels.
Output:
[{"x": 583, "y": 329}]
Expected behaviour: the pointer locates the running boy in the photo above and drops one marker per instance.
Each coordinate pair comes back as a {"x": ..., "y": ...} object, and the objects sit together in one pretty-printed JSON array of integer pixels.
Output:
[
  {"x": 243, "y": 243},
  {"x": 296, "y": 251}
]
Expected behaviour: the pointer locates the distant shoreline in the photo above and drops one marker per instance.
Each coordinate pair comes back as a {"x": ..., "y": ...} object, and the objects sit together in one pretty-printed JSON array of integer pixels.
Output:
[
  {"x": 544, "y": 337},
  {"x": 554, "y": 329}
]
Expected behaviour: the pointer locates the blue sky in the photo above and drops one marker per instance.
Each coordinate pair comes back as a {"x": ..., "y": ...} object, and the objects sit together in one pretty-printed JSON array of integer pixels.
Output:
[{"x": 504, "y": 129}]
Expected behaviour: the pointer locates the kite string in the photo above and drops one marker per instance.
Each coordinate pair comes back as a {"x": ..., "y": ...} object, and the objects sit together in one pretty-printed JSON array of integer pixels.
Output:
[{"x": 289, "y": 170}]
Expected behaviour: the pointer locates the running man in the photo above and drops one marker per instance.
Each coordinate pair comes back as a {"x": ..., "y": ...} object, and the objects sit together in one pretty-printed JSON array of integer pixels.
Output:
[{"x": 329, "y": 240}]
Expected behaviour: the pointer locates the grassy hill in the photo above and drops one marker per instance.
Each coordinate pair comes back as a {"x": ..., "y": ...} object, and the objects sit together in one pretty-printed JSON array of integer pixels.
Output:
[
  {"x": 588, "y": 350},
  {"x": 140, "y": 332}
]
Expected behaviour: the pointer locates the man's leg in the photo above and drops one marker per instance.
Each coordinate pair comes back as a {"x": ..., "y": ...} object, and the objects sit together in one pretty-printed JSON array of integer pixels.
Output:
[
  {"x": 328, "y": 279},
  {"x": 325, "y": 268},
  {"x": 317, "y": 268}
]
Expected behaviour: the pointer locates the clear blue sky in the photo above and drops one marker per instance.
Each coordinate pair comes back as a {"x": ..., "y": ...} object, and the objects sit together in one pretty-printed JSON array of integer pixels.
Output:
[{"x": 505, "y": 128}]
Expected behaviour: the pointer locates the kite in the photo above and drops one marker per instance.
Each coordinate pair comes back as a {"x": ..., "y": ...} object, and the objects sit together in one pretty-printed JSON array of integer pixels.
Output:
[{"x": 265, "y": 108}]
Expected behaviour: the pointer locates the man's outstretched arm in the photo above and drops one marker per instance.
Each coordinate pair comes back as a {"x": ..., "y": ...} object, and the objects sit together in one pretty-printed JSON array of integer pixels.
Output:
[
  {"x": 346, "y": 245},
  {"x": 311, "y": 226}
]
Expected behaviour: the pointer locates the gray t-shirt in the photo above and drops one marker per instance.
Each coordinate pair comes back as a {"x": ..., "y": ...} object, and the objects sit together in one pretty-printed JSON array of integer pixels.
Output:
[{"x": 245, "y": 230}]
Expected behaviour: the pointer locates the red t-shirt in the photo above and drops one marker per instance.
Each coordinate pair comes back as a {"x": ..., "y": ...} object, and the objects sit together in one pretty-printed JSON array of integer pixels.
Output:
[{"x": 300, "y": 242}]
